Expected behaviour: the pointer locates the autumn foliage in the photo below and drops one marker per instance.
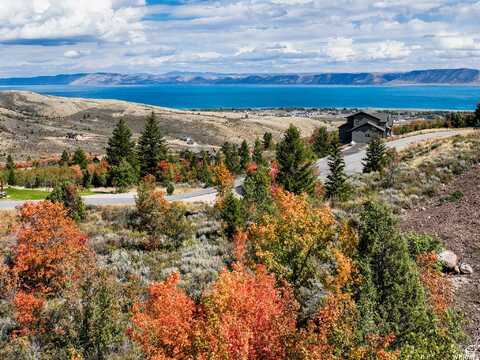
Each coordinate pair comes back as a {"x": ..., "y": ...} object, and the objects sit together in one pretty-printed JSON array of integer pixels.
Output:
[
  {"x": 164, "y": 324},
  {"x": 50, "y": 252},
  {"x": 244, "y": 316}
]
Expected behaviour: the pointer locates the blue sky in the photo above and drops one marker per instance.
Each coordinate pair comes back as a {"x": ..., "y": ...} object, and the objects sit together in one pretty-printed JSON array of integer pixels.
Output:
[{"x": 39, "y": 37}]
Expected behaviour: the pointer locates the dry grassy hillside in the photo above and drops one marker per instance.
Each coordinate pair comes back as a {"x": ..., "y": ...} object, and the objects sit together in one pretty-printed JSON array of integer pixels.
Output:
[{"x": 37, "y": 125}]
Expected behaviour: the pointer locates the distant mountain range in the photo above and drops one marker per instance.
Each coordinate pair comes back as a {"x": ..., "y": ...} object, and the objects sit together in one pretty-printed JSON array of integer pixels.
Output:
[{"x": 417, "y": 77}]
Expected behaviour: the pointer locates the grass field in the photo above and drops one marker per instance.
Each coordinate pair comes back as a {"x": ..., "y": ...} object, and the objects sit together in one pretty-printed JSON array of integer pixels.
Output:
[
  {"x": 35, "y": 194},
  {"x": 25, "y": 194}
]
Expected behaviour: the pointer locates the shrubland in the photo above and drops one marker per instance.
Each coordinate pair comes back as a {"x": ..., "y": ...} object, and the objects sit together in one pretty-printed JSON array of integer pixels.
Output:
[{"x": 287, "y": 271}]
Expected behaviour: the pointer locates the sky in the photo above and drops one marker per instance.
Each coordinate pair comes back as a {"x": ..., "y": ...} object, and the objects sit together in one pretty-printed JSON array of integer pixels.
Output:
[{"x": 44, "y": 37}]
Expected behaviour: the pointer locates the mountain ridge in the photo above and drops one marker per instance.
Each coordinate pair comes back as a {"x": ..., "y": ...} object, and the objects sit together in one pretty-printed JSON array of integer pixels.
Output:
[{"x": 461, "y": 76}]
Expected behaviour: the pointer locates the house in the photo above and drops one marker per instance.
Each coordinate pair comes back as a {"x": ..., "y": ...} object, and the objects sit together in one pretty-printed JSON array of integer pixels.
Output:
[{"x": 363, "y": 126}]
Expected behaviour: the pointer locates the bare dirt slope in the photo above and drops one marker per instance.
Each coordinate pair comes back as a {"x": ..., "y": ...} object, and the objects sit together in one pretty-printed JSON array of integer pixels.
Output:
[
  {"x": 36, "y": 125},
  {"x": 457, "y": 224}
]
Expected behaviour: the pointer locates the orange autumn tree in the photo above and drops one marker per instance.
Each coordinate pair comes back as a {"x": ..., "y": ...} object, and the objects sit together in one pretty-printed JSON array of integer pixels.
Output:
[
  {"x": 290, "y": 241},
  {"x": 244, "y": 316},
  {"x": 248, "y": 317},
  {"x": 164, "y": 324},
  {"x": 50, "y": 252}
]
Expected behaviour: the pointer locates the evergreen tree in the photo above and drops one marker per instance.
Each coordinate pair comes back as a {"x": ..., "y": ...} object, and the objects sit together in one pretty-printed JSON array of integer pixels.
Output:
[
  {"x": 244, "y": 154},
  {"x": 336, "y": 186},
  {"x": 257, "y": 192},
  {"x": 80, "y": 158},
  {"x": 151, "y": 147},
  {"x": 477, "y": 117},
  {"x": 391, "y": 298},
  {"x": 267, "y": 141},
  {"x": 65, "y": 158},
  {"x": 10, "y": 168},
  {"x": 232, "y": 159},
  {"x": 123, "y": 175},
  {"x": 375, "y": 159},
  {"x": 232, "y": 214},
  {"x": 294, "y": 160},
  {"x": 120, "y": 145},
  {"x": 321, "y": 142},
  {"x": 67, "y": 194},
  {"x": 257, "y": 155}
]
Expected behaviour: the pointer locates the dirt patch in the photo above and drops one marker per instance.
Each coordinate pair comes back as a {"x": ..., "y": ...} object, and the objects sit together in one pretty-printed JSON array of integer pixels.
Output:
[{"x": 454, "y": 216}]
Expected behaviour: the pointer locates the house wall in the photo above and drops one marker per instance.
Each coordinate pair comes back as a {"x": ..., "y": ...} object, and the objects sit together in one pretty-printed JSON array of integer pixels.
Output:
[{"x": 365, "y": 134}]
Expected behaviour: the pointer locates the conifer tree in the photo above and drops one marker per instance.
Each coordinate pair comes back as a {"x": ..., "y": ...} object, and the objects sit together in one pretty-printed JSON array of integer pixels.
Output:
[
  {"x": 244, "y": 154},
  {"x": 65, "y": 158},
  {"x": 257, "y": 192},
  {"x": 294, "y": 160},
  {"x": 477, "y": 117},
  {"x": 120, "y": 145},
  {"x": 232, "y": 214},
  {"x": 80, "y": 158},
  {"x": 232, "y": 159},
  {"x": 10, "y": 167},
  {"x": 321, "y": 142},
  {"x": 391, "y": 298},
  {"x": 151, "y": 147},
  {"x": 257, "y": 155},
  {"x": 267, "y": 140},
  {"x": 375, "y": 159},
  {"x": 336, "y": 186}
]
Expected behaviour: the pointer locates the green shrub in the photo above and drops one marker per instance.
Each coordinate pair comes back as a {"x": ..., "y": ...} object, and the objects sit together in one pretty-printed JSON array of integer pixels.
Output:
[
  {"x": 68, "y": 195},
  {"x": 421, "y": 243}
]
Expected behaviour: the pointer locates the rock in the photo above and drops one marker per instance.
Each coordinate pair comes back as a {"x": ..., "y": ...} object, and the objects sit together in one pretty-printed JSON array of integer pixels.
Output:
[
  {"x": 466, "y": 269},
  {"x": 448, "y": 259}
]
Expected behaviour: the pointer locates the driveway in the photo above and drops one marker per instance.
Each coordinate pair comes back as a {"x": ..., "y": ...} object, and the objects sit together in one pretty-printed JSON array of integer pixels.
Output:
[
  {"x": 353, "y": 164},
  {"x": 353, "y": 160}
]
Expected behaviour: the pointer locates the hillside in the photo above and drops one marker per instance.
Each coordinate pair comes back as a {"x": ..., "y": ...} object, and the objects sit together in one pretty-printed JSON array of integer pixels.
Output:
[
  {"x": 435, "y": 76},
  {"x": 36, "y": 125}
]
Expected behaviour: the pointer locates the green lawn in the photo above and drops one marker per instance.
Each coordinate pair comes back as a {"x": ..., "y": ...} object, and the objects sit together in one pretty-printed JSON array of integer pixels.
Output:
[
  {"x": 33, "y": 194},
  {"x": 25, "y": 194}
]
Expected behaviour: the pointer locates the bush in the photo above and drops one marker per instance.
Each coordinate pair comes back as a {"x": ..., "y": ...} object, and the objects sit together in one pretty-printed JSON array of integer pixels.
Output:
[
  {"x": 164, "y": 222},
  {"x": 421, "y": 243},
  {"x": 67, "y": 194}
]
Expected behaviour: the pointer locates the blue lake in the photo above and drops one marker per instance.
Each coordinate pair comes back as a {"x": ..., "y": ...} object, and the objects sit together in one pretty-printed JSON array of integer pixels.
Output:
[{"x": 284, "y": 96}]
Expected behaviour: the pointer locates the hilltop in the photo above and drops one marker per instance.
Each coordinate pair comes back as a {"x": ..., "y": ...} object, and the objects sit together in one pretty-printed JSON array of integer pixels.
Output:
[
  {"x": 416, "y": 77},
  {"x": 36, "y": 125}
]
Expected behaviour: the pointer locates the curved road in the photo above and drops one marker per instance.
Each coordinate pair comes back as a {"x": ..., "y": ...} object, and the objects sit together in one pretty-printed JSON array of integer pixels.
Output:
[{"x": 353, "y": 164}]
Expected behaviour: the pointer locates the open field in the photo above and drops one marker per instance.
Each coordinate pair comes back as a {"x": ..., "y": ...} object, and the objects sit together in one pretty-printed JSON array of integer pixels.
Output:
[{"x": 33, "y": 125}]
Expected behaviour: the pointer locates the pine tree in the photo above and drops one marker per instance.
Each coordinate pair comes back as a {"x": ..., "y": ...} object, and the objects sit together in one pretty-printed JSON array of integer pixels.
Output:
[
  {"x": 151, "y": 147},
  {"x": 123, "y": 175},
  {"x": 257, "y": 192},
  {"x": 321, "y": 142},
  {"x": 120, "y": 145},
  {"x": 10, "y": 168},
  {"x": 65, "y": 158},
  {"x": 391, "y": 298},
  {"x": 80, "y": 158},
  {"x": 232, "y": 159},
  {"x": 294, "y": 160},
  {"x": 257, "y": 155},
  {"x": 375, "y": 159},
  {"x": 267, "y": 141},
  {"x": 336, "y": 186},
  {"x": 232, "y": 214},
  {"x": 477, "y": 117},
  {"x": 244, "y": 154}
]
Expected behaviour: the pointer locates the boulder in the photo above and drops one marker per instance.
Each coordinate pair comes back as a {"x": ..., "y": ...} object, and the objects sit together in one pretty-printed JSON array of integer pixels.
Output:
[
  {"x": 466, "y": 269},
  {"x": 448, "y": 259}
]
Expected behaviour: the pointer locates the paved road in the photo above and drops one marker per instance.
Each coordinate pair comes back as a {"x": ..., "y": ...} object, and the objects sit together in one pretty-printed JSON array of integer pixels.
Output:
[
  {"x": 353, "y": 164},
  {"x": 353, "y": 157}
]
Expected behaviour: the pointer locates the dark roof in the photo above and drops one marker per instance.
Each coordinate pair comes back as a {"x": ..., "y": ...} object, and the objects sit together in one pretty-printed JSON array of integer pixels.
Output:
[
  {"x": 368, "y": 123},
  {"x": 383, "y": 117}
]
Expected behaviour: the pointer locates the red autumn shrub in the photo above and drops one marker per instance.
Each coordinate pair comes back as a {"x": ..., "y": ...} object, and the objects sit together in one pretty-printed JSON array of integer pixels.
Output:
[
  {"x": 248, "y": 317},
  {"x": 163, "y": 325},
  {"x": 50, "y": 252},
  {"x": 27, "y": 312}
]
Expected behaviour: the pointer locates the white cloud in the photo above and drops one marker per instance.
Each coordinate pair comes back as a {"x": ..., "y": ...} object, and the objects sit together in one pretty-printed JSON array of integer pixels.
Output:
[
  {"x": 75, "y": 54},
  {"x": 106, "y": 20},
  {"x": 340, "y": 49}
]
